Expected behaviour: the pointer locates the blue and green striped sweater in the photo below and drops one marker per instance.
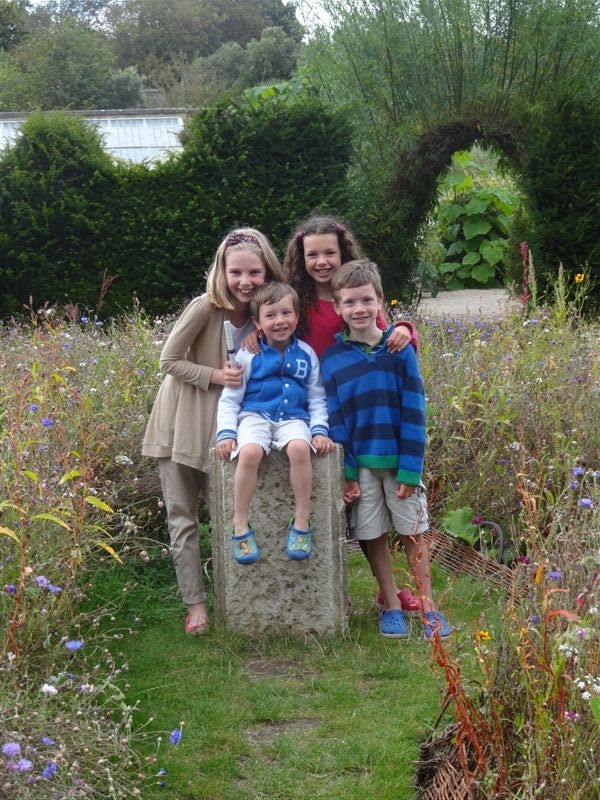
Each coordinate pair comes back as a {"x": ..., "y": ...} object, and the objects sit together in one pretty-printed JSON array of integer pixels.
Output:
[{"x": 376, "y": 406}]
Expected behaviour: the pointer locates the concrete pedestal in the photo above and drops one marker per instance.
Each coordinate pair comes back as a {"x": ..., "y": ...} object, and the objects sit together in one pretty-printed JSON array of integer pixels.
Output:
[{"x": 276, "y": 594}]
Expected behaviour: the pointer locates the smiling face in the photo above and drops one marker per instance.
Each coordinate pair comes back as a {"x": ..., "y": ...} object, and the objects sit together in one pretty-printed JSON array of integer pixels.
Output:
[
  {"x": 278, "y": 322},
  {"x": 322, "y": 256},
  {"x": 359, "y": 307},
  {"x": 245, "y": 273}
]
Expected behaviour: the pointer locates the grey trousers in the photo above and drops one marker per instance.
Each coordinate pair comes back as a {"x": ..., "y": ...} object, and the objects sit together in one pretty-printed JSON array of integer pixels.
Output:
[{"x": 182, "y": 487}]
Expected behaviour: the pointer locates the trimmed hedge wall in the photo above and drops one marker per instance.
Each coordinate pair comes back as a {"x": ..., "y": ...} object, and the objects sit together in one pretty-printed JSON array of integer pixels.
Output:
[{"x": 69, "y": 216}]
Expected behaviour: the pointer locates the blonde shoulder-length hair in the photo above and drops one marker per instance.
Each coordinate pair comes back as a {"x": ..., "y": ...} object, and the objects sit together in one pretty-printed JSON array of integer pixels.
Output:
[{"x": 240, "y": 239}]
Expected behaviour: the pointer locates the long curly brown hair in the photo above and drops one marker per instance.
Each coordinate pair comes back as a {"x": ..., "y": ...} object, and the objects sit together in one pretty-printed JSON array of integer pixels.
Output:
[{"x": 294, "y": 264}]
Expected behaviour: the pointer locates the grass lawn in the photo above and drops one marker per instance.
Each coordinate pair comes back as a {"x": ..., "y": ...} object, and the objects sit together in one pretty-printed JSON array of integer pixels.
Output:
[{"x": 278, "y": 717}]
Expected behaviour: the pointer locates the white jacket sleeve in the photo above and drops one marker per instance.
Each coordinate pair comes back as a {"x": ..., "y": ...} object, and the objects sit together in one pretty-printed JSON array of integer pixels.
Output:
[
  {"x": 317, "y": 401},
  {"x": 231, "y": 400}
]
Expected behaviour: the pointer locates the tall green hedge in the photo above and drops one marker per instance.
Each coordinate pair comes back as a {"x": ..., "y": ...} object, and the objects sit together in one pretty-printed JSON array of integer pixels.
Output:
[
  {"x": 69, "y": 216},
  {"x": 561, "y": 174}
]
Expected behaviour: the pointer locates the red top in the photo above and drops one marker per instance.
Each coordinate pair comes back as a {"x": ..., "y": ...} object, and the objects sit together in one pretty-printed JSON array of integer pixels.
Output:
[{"x": 323, "y": 322}]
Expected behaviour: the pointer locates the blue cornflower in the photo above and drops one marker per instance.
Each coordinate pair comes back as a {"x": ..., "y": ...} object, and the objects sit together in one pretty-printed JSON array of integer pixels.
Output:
[
  {"x": 47, "y": 741},
  {"x": 49, "y": 770},
  {"x": 586, "y": 502},
  {"x": 554, "y": 575},
  {"x": 534, "y": 619},
  {"x": 162, "y": 771},
  {"x": 84, "y": 319},
  {"x": 572, "y": 485},
  {"x": 42, "y": 581},
  {"x": 74, "y": 644},
  {"x": 54, "y": 589},
  {"x": 34, "y": 407},
  {"x": 9, "y": 588},
  {"x": 47, "y": 422},
  {"x": 175, "y": 736},
  {"x": 11, "y": 749},
  {"x": 24, "y": 765},
  {"x": 577, "y": 471},
  {"x": 42, "y": 448}
]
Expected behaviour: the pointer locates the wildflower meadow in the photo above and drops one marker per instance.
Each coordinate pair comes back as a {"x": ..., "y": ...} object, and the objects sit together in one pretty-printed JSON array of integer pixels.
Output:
[{"x": 513, "y": 436}]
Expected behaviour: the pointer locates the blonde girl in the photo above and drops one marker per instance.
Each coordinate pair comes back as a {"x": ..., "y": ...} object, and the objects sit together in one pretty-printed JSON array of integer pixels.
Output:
[{"x": 182, "y": 424}]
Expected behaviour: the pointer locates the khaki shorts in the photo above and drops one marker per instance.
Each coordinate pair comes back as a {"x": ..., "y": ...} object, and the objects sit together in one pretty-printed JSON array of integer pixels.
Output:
[
  {"x": 380, "y": 510},
  {"x": 254, "y": 429}
]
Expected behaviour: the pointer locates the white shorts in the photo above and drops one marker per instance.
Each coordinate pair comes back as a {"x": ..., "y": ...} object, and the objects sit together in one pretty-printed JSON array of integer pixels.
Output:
[
  {"x": 380, "y": 510},
  {"x": 254, "y": 429}
]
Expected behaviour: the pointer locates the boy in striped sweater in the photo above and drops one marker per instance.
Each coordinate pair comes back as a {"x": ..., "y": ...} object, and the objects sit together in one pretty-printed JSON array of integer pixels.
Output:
[{"x": 376, "y": 408}]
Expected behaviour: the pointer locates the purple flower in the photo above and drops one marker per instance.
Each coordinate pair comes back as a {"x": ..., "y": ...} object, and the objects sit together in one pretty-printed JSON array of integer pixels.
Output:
[
  {"x": 54, "y": 589},
  {"x": 554, "y": 575},
  {"x": 585, "y": 502},
  {"x": 572, "y": 485},
  {"x": 34, "y": 407},
  {"x": 74, "y": 644},
  {"x": 84, "y": 319},
  {"x": 11, "y": 749},
  {"x": 477, "y": 520},
  {"x": 534, "y": 619},
  {"x": 47, "y": 741},
  {"x": 49, "y": 770},
  {"x": 9, "y": 588},
  {"x": 175, "y": 736},
  {"x": 47, "y": 422},
  {"x": 523, "y": 560},
  {"x": 24, "y": 765},
  {"x": 41, "y": 581},
  {"x": 577, "y": 471},
  {"x": 572, "y": 715}
]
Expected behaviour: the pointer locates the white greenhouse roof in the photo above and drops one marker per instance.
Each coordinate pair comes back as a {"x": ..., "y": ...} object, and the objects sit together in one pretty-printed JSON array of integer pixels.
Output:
[{"x": 132, "y": 135}]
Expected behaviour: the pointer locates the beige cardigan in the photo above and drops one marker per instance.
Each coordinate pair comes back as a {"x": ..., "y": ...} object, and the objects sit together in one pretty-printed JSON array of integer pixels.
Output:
[{"x": 182, "y": 424}]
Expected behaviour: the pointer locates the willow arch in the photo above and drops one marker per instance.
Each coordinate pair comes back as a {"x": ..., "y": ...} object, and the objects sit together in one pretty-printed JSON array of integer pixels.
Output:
[{"x": 422, "y": 80}]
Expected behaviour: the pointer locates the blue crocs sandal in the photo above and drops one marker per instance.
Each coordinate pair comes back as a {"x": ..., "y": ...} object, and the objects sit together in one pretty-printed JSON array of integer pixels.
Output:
[
  {"x": 245, "y": 549},
  {"x": 435, "y": 624},
  {"x": 299, "y": 543},
  {"x": 393, "y": 624}
]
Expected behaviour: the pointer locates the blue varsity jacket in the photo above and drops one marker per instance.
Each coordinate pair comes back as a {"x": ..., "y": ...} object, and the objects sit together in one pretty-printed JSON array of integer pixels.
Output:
[{"x": 278, "y": 386}]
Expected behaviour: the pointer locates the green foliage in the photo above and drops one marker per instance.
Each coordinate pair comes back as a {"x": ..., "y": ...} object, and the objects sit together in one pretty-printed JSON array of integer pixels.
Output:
[
  {"x": 71, "y": 216},
  {"x": 423, "y": 81},
  {"x": 474, "y": 227},
  {"x": 53, "y": 217},
  {"x": 562, "y": 180},
  {"x": 67, "y": 66}
]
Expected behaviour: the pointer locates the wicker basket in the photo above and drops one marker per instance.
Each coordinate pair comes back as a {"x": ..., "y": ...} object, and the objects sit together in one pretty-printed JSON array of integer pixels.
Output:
[
  {"x": 439, "y": 774},
  {"x": 460, "y": 559}
]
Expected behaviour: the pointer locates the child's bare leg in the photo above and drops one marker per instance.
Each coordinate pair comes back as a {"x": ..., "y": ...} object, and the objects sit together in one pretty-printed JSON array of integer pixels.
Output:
[
  {"x": 380, "y": 559},
  {"x": 244, "y": 483},
  {"x": 298, "y": 452},
  {"x": 417, "y": 555}
]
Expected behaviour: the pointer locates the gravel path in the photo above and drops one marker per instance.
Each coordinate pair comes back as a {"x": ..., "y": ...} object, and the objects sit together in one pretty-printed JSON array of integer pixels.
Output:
[{"x": 485, "y": 304}]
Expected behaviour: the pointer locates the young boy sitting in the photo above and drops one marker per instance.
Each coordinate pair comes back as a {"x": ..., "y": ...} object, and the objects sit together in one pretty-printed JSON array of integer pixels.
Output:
[
  {"x": 280, "y": 404},
  {"x": 376, "y": 407}
]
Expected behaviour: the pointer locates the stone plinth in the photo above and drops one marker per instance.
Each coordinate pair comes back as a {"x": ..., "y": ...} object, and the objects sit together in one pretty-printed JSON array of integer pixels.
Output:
[{"x": 276, "y": 594}]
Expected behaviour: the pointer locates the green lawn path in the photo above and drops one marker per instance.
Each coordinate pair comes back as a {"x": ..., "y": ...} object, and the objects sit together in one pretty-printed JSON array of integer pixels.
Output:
[{"x": 285, "y": 718}]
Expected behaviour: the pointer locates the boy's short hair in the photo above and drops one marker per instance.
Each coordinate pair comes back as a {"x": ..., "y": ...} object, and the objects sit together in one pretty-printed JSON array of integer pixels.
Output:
[
  {"x": 352, "y": 274},
  {"x": 270, "y": 293}
]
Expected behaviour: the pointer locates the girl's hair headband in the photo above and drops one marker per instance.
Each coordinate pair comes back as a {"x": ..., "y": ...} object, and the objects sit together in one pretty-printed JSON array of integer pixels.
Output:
[{"x": 237, "y": 237}]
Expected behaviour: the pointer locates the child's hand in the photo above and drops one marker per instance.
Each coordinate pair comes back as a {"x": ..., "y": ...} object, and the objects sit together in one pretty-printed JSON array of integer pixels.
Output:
[
  {"x": 399, "y": 338},
  {"x": 225, "y": 448},
  {"x": 322, "y": 445},
  {"x": 351, "y": 491},
  {"x": 403, "y": 491},
  {"x": 228, "y": 376},
  {"x": 250, "y": 343}
]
